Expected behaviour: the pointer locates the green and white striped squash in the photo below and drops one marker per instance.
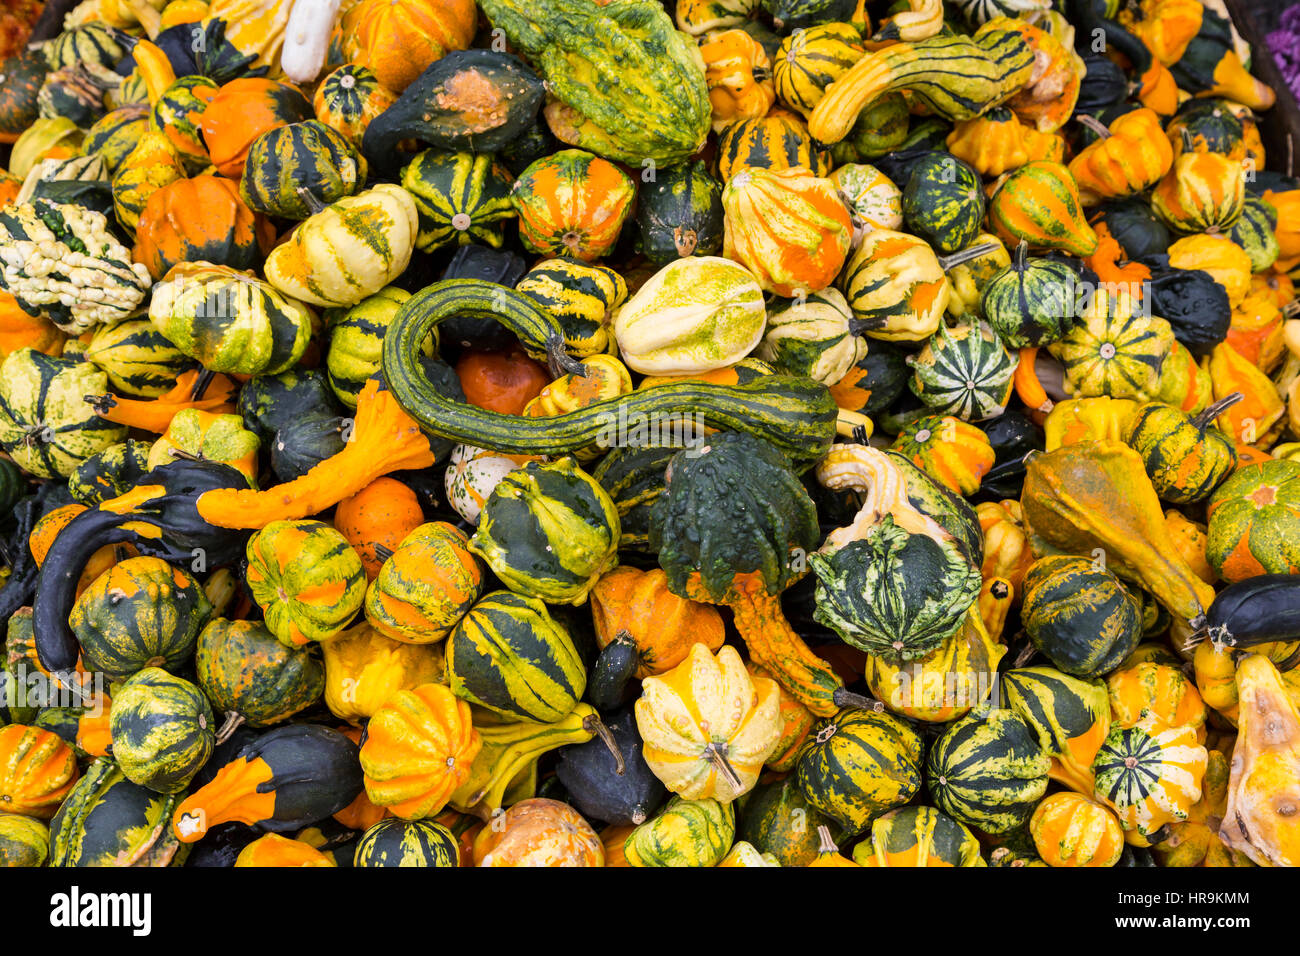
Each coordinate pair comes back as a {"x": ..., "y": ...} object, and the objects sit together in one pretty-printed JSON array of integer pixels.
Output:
[
  {"x": 874, "y": 200},
  {"x": 307, "y": 579},
  {"x": 1032, "y": 301},
  {"x": 141, "y": 612},
  {"x": 245, "y": 670},
  {"x": 582, "y": 297},
  {"x": 356, "y": 340},
  {"x": 966, "y": 372},
  {"x": 24, "y": 841},
  {"x": 93, "y": 43},
  {"x": 1256, "y": 232},
  {"x": 509, "y": 655},
  {"x": 1150, "y": 774},
  {"x": 229, "y": 321},
  {"x": 811, "y": 59},
  {"x": 396, "y": 842},
  {"x": 858, "y": 764},
  {"x": 988, "y": 771},
  {"x": 916, "y": 837},
  {"x": 548, "y": 531},
  {"x": 138, "y": 359},
  {"x": 46, "y": 425},
  {"x": 85, "y": 169},
  {"x": 693, "y": 315},
  {"x": 162, "y": 730},
  {"x": 812, "y": 337},
  {"x": 293, "y": 170},
  {"x": 688, "y": 833},
  {"x": 106, "y": 820},
  {"x": 109, "y": 473},
  {"x": 428, "y": 584},
  {"x": 1079, "y": 615},
  {"x": 943, "y": 202},
  {"x": 462, "y": 198},
  {"x": 115, "y": 134}
]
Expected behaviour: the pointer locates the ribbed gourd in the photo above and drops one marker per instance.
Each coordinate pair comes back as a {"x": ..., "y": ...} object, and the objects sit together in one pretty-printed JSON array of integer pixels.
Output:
[{"x": 965, "y": 371}]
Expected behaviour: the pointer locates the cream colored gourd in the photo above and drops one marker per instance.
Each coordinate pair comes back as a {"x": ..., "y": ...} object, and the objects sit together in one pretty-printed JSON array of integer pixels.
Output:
[
  {"x": 707, "y": 726},
  {"x": 307, "y": 38},
  {"x": 694, "y": 315}
]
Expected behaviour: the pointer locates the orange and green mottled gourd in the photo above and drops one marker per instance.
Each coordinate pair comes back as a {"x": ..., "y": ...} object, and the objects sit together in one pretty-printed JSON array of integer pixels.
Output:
[
  {"x": 1264, "y": 789},
  {"x": 152, "y": 164},
  {"x": 1039, "y": 203},
  {"x": 706, "y": 726},
  {"x": 1254, "y": 520},
  {"x": 363, "y": 669},
  {"x": 790, "y": 228},
  {"x": 895, "y": 286},
  {"x": 1185, "y": 458},
  {"x": 1071, "y": 830},
  {"x": 952, "y": 452},
  {"x": 916, "y": 837},
  {"x": 252, "y": 677},
  {"x": 1096, "y": 495},
  {"x": 37, "y": 770},
  {"x": 425, "y": 586},
  {"x": 241, "y": 111},
  {"x": 1149, "y": 690},
  {"x": 739, "y": 76},
  {"x": 1070, "y": 716},
  {"x": 306, "y": 578},
  {"x": 419, "y": 748},
  {"x": 572, "y": 203}
]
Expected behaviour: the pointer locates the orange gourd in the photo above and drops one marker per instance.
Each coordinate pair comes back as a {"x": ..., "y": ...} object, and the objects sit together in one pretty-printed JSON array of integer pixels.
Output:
[
  {"x": 200, "y": 220},
  {"x": 539, "y": 832},
  {"x": 1130, "y": 156},
  {"x": 376, "y": 519},
  {"x": 1071, "y": 830},
  {"x": 19, "y": 330},
  {"x": 739, "y": 76},
  {"x": 278, "y": 851},
  {"x": 37, "y": 769},
  {"x": 502, "y": 382},
  {"x": 243, "y": 110},
  {"x": 628, "y": 604},
  {"x": 398, "y": 39}
]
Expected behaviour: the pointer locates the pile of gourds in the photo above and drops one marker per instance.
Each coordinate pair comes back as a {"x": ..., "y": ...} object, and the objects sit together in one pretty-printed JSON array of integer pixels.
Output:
[{"x": 576, "y": 433}]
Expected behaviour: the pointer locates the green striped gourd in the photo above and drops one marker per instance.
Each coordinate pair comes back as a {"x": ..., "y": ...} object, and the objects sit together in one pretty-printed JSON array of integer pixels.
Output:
[
  {"x": 548, "y": 531},
  {"x": 92, "y": 43},
  {"x": 777, "y": 818},
  {"x": 293, "y": 170},
  {"x": 162, "y": 730},
  {"x": 633, "y": 477},
  {"x": 46, "y": 425},
  {"x": 109, "y": 821},
  {"x": 1114, "y": 351},
  {"x": 895, "y": 286},
  {"x": 1079, "y": 615},
  {"x": 860, "y": 763},
  {"x": 428, "y": 584},
  {"x": 357, "y": 339},
  {"x": 1070, "y": 716},
  {"x": 988, "y": 771},
  {"x": 794, "y": 414},
  {"x": 115, "y": 134},
  {"x": 138, "y": 359},
  {"x": 918, "y": 836},
  {"x": 680, "y": 214},
  {"x": 1150, "y": 774},
  {"x": 307, "y": 579},
  {"x": 228, "y": 321},
  {"x": 177, "y": 112},
  {"x": 812, "y": 337},
  {"x": 509, "y": 655},
  {"x": 396, "y": 842},
  {"x": 252, "y": 677},
  {"x": 943, "y": 201},
  {"x": 24, "y": 841},
  {"x": 582, "y": 297},
  {"x": 686, "y": 833},
  {"x": 1256, "y": 232},
  {"x": 812, "y": 59},
  {"x": 966, "y": 372},
  {"x": 461, "y": 198},
  {"x": 1031, "y": 302},
  {"x": 71, "y": 93},
  {"x": 141, "y": 612}
]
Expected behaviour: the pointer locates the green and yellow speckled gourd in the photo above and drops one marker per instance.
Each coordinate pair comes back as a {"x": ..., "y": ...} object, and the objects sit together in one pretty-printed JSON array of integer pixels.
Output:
[
  {"x": 1079, "y": 615},
  {"x": 918, "y": 836},
  {"x": 251, "y": 676},
  {"x": 687, "y": 833},
  {"x": 162, "y": 730},
  {"x": 396, "y": 842},
  {"x": 1185, "y": 456}
]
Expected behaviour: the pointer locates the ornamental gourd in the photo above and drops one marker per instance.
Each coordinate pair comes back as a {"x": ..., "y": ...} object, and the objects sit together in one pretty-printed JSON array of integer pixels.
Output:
[
  {"x": 1128, "y": 158},
  {"x": 1079, "y": 615},
  {"x": 707, "y": 727},
  {"x": 572, "y": 203},
  {"x": 1069, "y": 829},
  {"x": 249, "y": 675},
  {"x": 874, "y": 201},
  {"x": 966, "y": 372},
  {"x": 1202, "y": 192},
  {"x": 306, "y": 578},
  {"x": 205, "y": 436},
  {"x": 896, "y": 287},
  {"x": 1039, "y": 203},
  {"x": 813, "y": 337},
  {"x": 1113, "y": 349},
  {"x": 788, "y": 227},
  {"x": 539, "y": 832},
  {"x": 918, "y": 837},
  {"x": 349, "y": 98},
  {"x": 1070, "y": 716},
  {"x": 461, "y": 198},
  {"x": 419, "y": 748},
  {"x": 107, "y": 820},
  {"x": 1156, "y": 692},
  {"x": 693, "y": 315},
  {"x": 688, "y": 833},
  {"x": 1253, "y": 520},
  {"x": 396, "y": 842},
  {"x": 398, "y": 41},
  {"x": 1184, "y": 456},
  {"x": 39, "y": 770},
  {"x": 952, "y": 452},
  {"x": 347, "y": 250},
  {"x": 809, "y": 60},
  {"x": 988, "y": 771},
  {"x": 549, "y": 531},
  {"x": 162, "y": 730},
  {"x": 1032, "y": 302},
  {"x": 1150, "y": 774},
  {"x": 739, "y": 76},
  {"x": 363, "y": 669},
  {"x": 943, "y": 202},
  {"x": 240, "y": 112},
  {"x": 774, "y": 142},
  {"x": 139, "y": 361},
  {"x": 287, "y": 163},
  {"x": 425, "y": 586},
  {"x": 680, "y": 214}
]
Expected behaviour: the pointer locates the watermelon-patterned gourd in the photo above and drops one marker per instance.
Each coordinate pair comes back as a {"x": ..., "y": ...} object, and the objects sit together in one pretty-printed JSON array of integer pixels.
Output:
[
  {"x": 965, "y": 371},
  {"x": 462, "y": 198},
  {"x": 812, "y": 59},
  {"x": 162, "y": 730},
  {"x": 349, "y": 98},
  {"x": 1031, "y": 302},
  {"x": 1150, "y": 775}
]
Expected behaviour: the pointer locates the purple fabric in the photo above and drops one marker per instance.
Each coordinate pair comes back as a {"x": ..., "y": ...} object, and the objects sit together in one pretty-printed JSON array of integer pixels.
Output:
[{"x": 1284, "y": 44}]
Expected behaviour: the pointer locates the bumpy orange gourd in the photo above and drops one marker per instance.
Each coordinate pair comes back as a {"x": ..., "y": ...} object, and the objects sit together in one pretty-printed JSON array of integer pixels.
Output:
[
  {"x": 1132, "y": 155},
  {"x": 398, "y": 39},
  {"x": 788, "y": 227},
  {"x": 539, "y": 832},
  {"x": 664, "y": 627}
]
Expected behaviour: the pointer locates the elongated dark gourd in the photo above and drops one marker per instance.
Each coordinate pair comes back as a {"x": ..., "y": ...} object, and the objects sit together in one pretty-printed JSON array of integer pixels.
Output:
[
  {"x": 18, "y": 587},
  {"x": 1087, "y": 18},
  {"x": 797, "y": 415},
  {"x": 285, "y": 779},
  {"x": 159, "y": 516},
  {"x": 607, "y": 684},
  {"x": 1255, "y": 611}
]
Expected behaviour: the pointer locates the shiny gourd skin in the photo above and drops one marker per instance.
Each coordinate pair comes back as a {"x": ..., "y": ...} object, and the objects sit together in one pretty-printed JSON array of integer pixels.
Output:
[
  {"x": 916, "y": 837},
  {"x": 1185, "y": 456},
  {"x": 688, "y": 833},
  {"x": 1150, "y": 774},
  {"x": 1079, "y": 615},
  {"x": 1071, "y": 830},
  {"x": 425, "y": 586},
  {"x": 249, "y": 674}
]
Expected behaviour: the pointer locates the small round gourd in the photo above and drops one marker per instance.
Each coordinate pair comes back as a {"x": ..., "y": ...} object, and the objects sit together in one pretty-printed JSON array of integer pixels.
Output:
[
  {"x": 1254, "y": 521},
  {"x": 37, "y": 770},
  {"x": 1032, "y": 301},
  {"x": 307, "y": 579},
  {"x": 952, "y": 452},
  {"x": 471, "y": 475},
  {"x": 1079, "y": 615},
  {"x": 162, "y": 730},
  {"x": 965, "y": 371},
  {"x": 425, "y": 586},
  {"x": 24, "y": 841},
  {"x": 251, "y": 676},
  {"x": 582, "y": 297},
  {"x": 944, "y": 201},
  {"x": 918, "y": 836},
  {"x": 290, "y": 166},
  {"x": 813, "y": 337},
  {"x": 539, "y": 832},
  {"x": 1071, "y": 830},
  {"x": 687, "y": 833},
  {"x": 396, "y": 842},
  {"x": 356, "y": 339},
  {"x": 548, "y": 530},
  {"x": 1185, "y": 456},
  {"x": 462, "y": 198},
  {"x": 1150, "y": 775}
]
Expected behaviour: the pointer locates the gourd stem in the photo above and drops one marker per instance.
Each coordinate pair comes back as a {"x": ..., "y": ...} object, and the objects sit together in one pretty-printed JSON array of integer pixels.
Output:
[
  {"x": 595, "y": 725},
  {"x": 382, "y": 552},
  {"x": 1094, "y": 124},
  {"x": 229, "y": 726},
  {"x": 201, "y": 384},
  {"x": 719, "y": 760},
  {"x": 685, "y": 241},
  {"x": 966, "y": 255},
  {"x": 846, "y": 698},
  {"x": 827, "y": 844},
  {"x": 1214, "y": 410},
  {"x": 560, "y": 361},
  {"x": 1187, "y": 139},
  {"x": 309, "y": 200}
]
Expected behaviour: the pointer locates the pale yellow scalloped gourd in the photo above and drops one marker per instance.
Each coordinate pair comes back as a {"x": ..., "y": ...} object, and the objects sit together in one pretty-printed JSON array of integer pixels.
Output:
[{"x": 707, "y": 726}]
